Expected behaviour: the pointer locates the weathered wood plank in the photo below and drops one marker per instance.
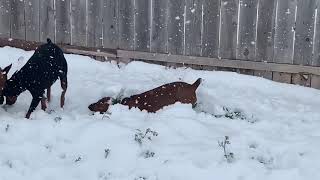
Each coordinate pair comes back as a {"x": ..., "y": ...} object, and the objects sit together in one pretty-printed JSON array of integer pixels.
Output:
[
  {"x": 176, "y": 43},
  {"x": 78, "y": 22},
  {"x": 18, "y": 27},
  {"x": 5, "y": 18},
  {"x": 215, "y": 62},
  {"x": 47, "y": 20},
  {"x": 247, "y": 29},
  {"x": 302, "y": 79},
  {"x": 316, "y": 39},
  {"x": 282, "y": 77},
  {"x": 284, "y": 31},
  {"x": 315, "y": 81},
  {"x": 142, "y": 25},
  {"x": 110, "y": 24},
  {"x": 210, "y": 28},
  {"x": 304, "y": 32},
  {"x": 228, "y": 30},
  {"x": 284, "y": 36},
  {"x": 265, "y": 34},
  {"x": 126, "y": 24},
  {"x": 159, "y": 31},
  {"x": 94, "y": 33},
  {"x": 32, "y": 20},
  {"x": 32, "y": 45},
  {"x": 63, "y": 24},
  {"x": 193, "y": 27},
  {"x": 265, "y": 30}
]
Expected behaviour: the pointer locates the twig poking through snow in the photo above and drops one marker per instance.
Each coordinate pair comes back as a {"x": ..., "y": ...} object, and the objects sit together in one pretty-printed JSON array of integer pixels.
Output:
[
  {"x": 106, "y": 153},
  {"x": 7, "y": 128},
  {"x": 228, "y": 155}
]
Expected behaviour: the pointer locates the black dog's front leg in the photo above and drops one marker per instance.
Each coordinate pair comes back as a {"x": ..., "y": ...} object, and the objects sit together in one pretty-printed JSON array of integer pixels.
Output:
[
  {"x": 1, "y": 99},
  {"x": 34, "y": 103}
]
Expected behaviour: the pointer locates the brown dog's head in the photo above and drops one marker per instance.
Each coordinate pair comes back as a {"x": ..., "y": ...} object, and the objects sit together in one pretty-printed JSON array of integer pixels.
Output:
[
  {"x": 101, "y": 106},
  {"x": 3, "y": 79}
]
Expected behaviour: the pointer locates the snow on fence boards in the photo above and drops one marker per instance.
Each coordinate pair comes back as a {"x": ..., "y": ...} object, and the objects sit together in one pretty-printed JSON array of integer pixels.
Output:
[
  {"x": 265, "y": 34},
  {"x": 126, "y": 24},
  {"x": 210, "y": 28},
  {"x": 110, "y": 24},
  {"x": 32, "y": 19},
  {"x": 193, "y": 27},
  {"x": 142, "y": 25},
  {"x": 246, "y": 33},
  {"x": 18, "y": 28},
  {"x": 5, "y": 18},
  {"x": 47, "y": 20},
  {"x": 63, "y": 24},
  {"x": 78, "y": 22},
  {"x": 94, "y": 24},
  {"x": 228, "y": 29},
  {"x": 159, "y": 26},
  {"x": 176, "y": 26}
]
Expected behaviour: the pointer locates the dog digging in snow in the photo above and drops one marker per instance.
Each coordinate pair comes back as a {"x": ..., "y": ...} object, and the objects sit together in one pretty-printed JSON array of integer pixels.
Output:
[
  {"x": 155, "y": 99},
  {"x": 46, "y": 65}
]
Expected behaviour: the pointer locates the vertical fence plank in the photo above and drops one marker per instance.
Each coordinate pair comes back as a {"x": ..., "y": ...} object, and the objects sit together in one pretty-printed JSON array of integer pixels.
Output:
[
  {"x": 210, "y": 25},
  {"x": 47, "y": 20},
  {"x": 284, "y": 36},
  {"x": 315, "y": 80},
  {"x": 159, "y": 31},
  {"x": 5, "y": 18},
  {"x": 265, "y": 30},
  {"x": 176, "y": 26},
  {"x": 304, "y": 32},
  {"x": 247, "y": 29},
  {"x": 193, "y": 27},
  {"x": 304, "y": 39},
  {"x": 265, "y": 34},
  {"x": 78, "y": 22},
  {"x": 228, "y": 30},
  {"x": 18, "y": 28},
  {"x": 94, "y": 33},
  {"x": 110, "y": 24},
  {"x": 142, "y": 25},
  {"x": 246, "y": 37},
  {"x": 63, "y": 26},
  {"x": 32, "y": 20},
  {"x": 126, "y": 24}
]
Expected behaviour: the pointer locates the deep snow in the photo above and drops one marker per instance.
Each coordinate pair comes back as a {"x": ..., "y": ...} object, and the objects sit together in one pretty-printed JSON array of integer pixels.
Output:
[{"x": 278, "y": 136}]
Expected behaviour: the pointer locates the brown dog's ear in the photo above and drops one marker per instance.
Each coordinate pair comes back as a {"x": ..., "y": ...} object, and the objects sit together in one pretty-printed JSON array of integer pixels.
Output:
[{"x": 7, "y": 69}]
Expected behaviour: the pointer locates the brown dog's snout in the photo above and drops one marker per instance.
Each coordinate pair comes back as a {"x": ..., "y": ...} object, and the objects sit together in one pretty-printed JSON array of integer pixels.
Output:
[
  {"x": 101, "y": 106},
  {"x": 10, "y": 100}
]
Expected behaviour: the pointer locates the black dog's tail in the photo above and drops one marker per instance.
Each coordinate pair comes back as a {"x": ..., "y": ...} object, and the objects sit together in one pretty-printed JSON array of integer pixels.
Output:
[{"x": 49, "y": 41}]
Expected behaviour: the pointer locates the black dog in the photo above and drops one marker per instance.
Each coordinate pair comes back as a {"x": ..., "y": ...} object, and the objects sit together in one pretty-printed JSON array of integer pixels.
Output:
[{"x": 46, "y": 65}]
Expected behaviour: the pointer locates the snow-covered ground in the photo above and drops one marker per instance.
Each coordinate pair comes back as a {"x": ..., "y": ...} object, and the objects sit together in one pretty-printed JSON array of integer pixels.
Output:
[{"x": 273, "y": 128}]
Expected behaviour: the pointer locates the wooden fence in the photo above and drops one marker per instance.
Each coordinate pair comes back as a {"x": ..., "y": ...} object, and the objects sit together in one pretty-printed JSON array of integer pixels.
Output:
[{"x": 276, "y": 39}]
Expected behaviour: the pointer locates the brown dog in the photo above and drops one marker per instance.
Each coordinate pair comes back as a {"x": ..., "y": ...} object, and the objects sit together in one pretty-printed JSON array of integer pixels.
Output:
[{"x": 155, "y": 99}]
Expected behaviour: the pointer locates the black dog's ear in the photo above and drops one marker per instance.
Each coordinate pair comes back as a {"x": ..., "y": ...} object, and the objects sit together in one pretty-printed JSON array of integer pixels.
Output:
[{"x": 7, "y": 69}]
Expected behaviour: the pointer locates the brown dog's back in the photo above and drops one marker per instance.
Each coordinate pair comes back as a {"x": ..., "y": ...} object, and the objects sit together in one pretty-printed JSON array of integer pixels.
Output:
[{"x": 164, "y": 95}]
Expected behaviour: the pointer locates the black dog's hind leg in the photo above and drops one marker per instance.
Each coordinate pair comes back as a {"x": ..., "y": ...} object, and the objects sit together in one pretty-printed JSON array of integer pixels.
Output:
[{"x": 64, "y": 86}]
